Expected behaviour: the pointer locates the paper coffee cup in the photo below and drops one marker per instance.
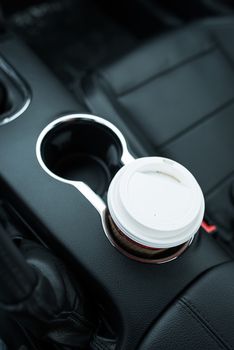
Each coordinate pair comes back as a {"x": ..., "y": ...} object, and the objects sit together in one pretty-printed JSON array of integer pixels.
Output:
[{"x": 155, "y": 207}]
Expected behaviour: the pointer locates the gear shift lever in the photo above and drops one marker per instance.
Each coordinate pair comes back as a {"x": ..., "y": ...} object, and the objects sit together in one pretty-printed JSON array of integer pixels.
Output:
[
  {"x": 17, "y": 278},
  {"x": 40, "y": 294}
]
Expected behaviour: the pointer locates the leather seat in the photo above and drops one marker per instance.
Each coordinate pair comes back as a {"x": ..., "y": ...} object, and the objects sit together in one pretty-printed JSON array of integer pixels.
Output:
[
  {"x": 202, "y": 318},
  {"x": 174, "y": 96}
]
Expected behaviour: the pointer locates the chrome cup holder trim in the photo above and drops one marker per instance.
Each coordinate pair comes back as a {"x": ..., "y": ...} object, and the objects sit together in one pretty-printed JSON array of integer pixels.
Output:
[{"x": 87, "y": 192}]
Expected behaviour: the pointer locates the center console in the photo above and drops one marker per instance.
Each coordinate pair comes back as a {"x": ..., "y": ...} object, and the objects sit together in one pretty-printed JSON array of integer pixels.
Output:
[{"x": 131, "y": 294}]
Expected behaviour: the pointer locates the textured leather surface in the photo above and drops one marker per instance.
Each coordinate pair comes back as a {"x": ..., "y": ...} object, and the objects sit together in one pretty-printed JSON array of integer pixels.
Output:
[
  {"x": 202, "y": 318},
  {"x": 175, "y": 96}
]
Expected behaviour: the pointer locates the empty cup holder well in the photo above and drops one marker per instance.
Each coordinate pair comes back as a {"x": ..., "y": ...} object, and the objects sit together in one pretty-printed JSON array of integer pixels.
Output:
[{"x": 81, "y": 149}]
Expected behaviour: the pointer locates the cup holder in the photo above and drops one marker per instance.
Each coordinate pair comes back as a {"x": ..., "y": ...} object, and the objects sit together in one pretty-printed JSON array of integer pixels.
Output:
[
  {"x": 87, "y": 152},
  {"x": 82, "y": 150}
]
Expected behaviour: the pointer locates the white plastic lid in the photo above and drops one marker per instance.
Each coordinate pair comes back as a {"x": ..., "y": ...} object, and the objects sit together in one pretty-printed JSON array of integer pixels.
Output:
[{"x": 156, "y": 202}]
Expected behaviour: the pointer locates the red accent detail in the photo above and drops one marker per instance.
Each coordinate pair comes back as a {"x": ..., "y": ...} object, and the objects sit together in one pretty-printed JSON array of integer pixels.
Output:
[{"x": 208, "y": 228}]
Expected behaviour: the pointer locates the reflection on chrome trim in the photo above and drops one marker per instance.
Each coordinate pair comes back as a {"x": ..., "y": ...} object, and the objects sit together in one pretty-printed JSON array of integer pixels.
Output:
[
  {"x": 89, "y": 194},
  {"x": 9, "y": 116}
]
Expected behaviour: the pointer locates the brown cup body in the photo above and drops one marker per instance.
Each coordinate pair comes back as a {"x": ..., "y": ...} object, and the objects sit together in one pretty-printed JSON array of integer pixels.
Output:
[{"x": 140, "y": 252}]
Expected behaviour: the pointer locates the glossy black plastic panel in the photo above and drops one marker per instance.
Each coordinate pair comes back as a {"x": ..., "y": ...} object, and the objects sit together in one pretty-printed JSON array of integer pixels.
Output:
[{"x": 15, "y": 94}]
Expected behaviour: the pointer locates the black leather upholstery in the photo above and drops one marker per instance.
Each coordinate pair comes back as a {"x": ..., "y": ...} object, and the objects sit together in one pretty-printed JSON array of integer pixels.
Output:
[
  {"x": 174, "y": 96},
  {"x": 202, "y": 318}
]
